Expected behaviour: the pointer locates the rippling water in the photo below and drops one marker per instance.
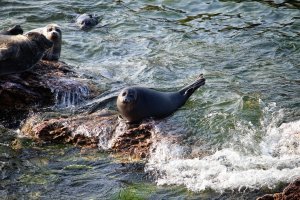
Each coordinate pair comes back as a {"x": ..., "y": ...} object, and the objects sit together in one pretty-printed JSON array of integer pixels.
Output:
[{"x": 240, "y": 132}]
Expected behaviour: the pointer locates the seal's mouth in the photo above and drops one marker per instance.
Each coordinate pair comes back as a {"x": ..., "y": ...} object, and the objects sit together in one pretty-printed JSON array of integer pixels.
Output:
[
  {"x": 54, "y": 36},
  {"x": 126, "y": 101},
  {"x": 84, "y": 27}
]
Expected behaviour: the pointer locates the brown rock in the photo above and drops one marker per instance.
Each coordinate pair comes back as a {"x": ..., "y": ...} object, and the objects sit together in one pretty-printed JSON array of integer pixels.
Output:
[
  {"x": 276, "y": 196},
  {"x": 134, "y": 142},
  {"x": 100, "y": 129},
  {"x": 81, "y": 130},
  {"x": 40, "y": 87},
  {"x": 291, "y": 192}
]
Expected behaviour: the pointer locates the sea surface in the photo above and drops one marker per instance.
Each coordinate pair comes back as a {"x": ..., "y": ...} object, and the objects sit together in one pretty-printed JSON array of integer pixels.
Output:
[{"x": 239, "y": 134}]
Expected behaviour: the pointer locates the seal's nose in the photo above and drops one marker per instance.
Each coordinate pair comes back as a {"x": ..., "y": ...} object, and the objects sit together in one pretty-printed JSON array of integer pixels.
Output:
[
  {"x": 54, "y": 35},
  {"x": 126, "y": 100}
]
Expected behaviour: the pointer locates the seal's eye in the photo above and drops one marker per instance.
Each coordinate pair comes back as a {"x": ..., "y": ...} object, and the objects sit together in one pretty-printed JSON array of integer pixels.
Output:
[
  {"x": 49, "y": 29},
  {"x": 124, "y": 94},
  {"x": 82, "y": 22}
]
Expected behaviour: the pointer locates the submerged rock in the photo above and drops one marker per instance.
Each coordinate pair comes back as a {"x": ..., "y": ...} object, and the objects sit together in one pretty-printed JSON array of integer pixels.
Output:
[
  {"x": 47, "y": 84},
  {"x": 291, "y": 192},
  {"x": 101, "y": 129}
]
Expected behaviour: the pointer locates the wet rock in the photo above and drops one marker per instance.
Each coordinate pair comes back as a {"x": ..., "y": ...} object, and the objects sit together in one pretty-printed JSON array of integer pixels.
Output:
[
  {"x": 42, "y": 86},
  {"x": 291, "y": 192},
  {"x": 134, "y": 142},
  {"x": 101, "y": 129},
  {"x": 81, "y": 130},
  {"x": 56, "y": 84},
  {"x": 276, "y": 196}
]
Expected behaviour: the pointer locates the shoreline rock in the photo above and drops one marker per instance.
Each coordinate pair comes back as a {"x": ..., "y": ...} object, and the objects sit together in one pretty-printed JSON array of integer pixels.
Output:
[
  {"x": 42, "y": 86},
  {"x": 291, "y": 192},
  {"x": 27, "y": 98},
  {"x": 101, "y": 129}
]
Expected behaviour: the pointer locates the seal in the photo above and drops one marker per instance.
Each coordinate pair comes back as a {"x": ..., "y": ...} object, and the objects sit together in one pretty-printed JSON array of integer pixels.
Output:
[
  {"x": 86, "y": 21},
  {"x": 20, "y": 52},
  {"x": 138, "y": 103},
  {"x": 53, "y": 33},
  {"x": 15, "y": 30}
]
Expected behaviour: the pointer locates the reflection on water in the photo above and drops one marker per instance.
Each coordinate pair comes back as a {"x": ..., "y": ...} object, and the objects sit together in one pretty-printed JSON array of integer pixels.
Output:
[{"x": 243, "y": 122}]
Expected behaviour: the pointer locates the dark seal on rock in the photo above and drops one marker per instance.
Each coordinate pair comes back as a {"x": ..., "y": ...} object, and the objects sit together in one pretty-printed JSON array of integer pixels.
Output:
[
  {"x": 15, "y": 30},
  {"x": 138, "y": 103},
  {"x": 87, "y": 21},
  {"x": 19, "y": 53},
  {"x": 53, "y": 33}
]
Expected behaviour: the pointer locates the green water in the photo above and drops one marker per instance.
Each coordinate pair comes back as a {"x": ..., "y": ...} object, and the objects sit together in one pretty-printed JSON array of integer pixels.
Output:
[{"x": 248, "y": 52}]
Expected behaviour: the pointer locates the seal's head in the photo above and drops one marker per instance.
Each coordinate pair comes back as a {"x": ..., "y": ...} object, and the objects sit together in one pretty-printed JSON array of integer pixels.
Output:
[
  {"x": 53, "y": 32},
  {"x": 127, "y": 96},
  {"x": 39, "y": 39},
  {"x": 86, "y": 21}
]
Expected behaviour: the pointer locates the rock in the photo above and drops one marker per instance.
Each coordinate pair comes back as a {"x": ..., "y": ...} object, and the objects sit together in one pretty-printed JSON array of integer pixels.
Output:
[
  {"x": 291, "y": 192},
  {"x": 101, "y": 129},
  {"x": 81, "y": 130},
  {"x": 56, "y": 84},
  {"x": 47, "y": 84},
  {"x": 276, "y": 196},
  {"x": 134, "y": 142}
]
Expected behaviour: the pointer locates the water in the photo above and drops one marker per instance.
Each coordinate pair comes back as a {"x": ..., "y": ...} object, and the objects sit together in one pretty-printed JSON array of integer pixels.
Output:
[
  {"x": 244, "y": 162},
  {"x": 72, "y": 94},
  {"x": 237, "y": 137}
]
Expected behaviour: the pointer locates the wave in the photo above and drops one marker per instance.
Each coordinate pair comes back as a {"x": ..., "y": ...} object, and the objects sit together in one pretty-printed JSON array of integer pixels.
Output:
[{"x": 266, "y": 163}]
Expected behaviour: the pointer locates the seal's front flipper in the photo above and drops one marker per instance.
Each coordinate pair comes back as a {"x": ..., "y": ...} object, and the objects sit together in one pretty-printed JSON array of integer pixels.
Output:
[
  {"x": 101, "y": 104},
  {"x": 6, "y": 53}
]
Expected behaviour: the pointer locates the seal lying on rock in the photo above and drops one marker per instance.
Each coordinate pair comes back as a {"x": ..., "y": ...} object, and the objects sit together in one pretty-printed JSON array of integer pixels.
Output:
[
  {"x": 15, "y": 30},
  {"x": 86, "y": 21},
  {"x": 53, "y": 33},
  {"x": 138, "y": 103},
  {"x": 19, "y": 53}
]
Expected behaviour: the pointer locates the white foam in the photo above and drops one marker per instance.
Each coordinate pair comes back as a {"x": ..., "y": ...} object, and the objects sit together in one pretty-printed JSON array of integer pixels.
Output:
[
  {"x": 228, "y": 169},
  {"x": 245, "y": 163},
  {"x": 282, "y": 141}
]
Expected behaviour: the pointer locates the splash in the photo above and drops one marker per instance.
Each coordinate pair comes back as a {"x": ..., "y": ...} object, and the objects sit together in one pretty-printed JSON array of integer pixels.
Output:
[
  {"x": 72, "y": 97},
  {"x": 69, "y": 93},
  {"x": 99, "y": 127},
  {"x": 244, "y": 163},
  {"x": 102, "y": 133},
  {"x": 108, "y": 143},
  {"x": 282, "y": 141}
]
